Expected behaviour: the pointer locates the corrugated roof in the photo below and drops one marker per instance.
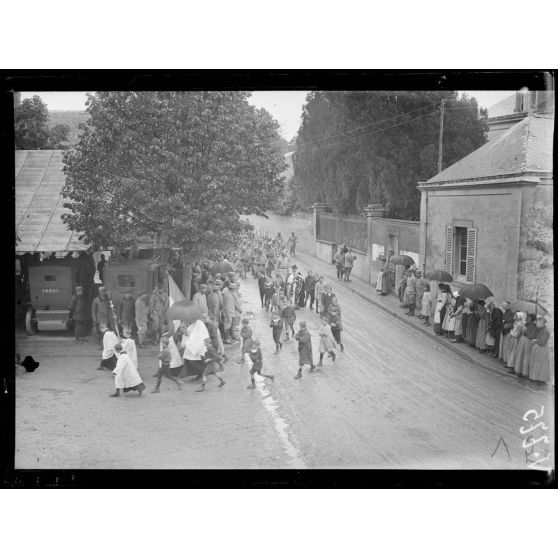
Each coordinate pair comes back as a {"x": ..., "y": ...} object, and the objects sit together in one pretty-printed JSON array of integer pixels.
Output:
[
  {"x": 525, "y": 147},
  {"x": 39, "y": 204}
]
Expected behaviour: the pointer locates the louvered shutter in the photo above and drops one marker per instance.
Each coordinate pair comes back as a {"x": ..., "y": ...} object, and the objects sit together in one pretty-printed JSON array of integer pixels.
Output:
[
  {"x": 449, "y": 249},
  {"x": 471, "y": 254}
]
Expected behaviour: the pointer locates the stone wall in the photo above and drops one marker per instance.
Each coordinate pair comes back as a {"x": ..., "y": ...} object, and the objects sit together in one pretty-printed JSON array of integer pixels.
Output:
[
  {"x": 536, "y": 252},
  {"x": 495, "y": 215},
  {"x": 301, "y": 225}
]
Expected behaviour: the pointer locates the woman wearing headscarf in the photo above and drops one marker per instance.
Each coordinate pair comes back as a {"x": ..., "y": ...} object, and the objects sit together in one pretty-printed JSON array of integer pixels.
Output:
[
  {"x": 515, "y": 336},
  {"x": 402, "y": 289},
  {"x": 521, "y": 360},
  {"x": 539, "y": 361},
  {"x": 507, "y": 324},
  {"x": 440, "y": 304},
  {"x": 448, "y": 325},
  {"x": 480, "y": 312},
  {"x": 458, "y": 317}
]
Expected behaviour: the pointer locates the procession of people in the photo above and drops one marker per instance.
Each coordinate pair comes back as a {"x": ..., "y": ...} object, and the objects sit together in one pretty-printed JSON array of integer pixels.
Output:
[{"x": 196, "y": 348}]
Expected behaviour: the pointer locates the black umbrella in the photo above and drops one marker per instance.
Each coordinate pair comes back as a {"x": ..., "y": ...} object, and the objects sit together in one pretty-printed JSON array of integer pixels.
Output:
[
  {"x": 402, "y": 259},
  {"x": 439, "y": 275},
  {"x": 222, "y": 268},
  {"x": 184, "y": 311},
  {"x": 476, "y": 291}
]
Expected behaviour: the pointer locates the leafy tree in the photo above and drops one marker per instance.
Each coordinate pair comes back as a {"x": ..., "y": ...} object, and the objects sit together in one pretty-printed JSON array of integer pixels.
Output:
[
  {"x": 30, "y": 124},
  {"x": 58, "y": 137},
  {"x": 180, "y": 166},
  {"x": 31, "y": 130},
  {"x": 355, "y": 148}
]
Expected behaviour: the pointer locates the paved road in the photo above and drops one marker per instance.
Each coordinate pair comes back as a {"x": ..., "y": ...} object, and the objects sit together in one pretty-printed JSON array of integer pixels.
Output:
[{"x": 394, "y": 399}]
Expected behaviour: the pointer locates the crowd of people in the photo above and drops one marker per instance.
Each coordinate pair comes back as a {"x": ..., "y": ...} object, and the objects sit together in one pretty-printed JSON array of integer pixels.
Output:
[
  {"x": 197, "y": 347},
  {"x": 519, "y": 340}
]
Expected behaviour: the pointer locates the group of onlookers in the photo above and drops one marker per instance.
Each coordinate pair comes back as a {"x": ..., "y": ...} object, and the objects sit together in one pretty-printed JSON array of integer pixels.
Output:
[
  {"x": 519, "y": 340},
  {"x": 344, "y": 259}
]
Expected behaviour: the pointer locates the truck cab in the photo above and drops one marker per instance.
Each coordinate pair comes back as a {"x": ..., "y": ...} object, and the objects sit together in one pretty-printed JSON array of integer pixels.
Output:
[{"x": 51, "y": 285}]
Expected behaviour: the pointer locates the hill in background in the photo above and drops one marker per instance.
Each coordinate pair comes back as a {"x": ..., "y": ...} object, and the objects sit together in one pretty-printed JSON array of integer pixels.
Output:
[{"x": 71, "y": 118}]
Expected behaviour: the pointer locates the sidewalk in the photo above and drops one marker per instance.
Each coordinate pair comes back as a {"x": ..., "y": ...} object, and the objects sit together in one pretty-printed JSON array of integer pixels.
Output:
[{"x": 391, "y": 305}]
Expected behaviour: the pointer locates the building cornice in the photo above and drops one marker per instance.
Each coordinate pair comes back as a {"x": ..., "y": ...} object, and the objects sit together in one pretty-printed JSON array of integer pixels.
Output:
[{"x": 517, "y": 179}]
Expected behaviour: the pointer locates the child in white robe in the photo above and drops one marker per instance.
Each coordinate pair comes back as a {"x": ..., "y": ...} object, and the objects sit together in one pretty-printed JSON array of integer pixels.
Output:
[
  {"x": 129, "y": 346},
  {"x": 126, "y": 375}
]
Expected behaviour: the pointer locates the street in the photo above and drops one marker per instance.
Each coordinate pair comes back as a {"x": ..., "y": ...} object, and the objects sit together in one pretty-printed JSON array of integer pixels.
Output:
[{"x": 393, "y": 399}]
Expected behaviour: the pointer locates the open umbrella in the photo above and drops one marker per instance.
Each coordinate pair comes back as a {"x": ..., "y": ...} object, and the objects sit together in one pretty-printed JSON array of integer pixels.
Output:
[
  {"x": 528, "y": 306},
  {"x": 439, "y": 275},
  {"x": 401, "y": 259},
  {"x": 477, "y": 291},
  {"x": 183, "y": 310},
  {"x": 222, "y": 268}
]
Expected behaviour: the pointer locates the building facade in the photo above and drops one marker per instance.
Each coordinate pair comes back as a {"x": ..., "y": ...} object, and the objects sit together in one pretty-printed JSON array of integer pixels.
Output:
[{"x": 488, "y": 218}]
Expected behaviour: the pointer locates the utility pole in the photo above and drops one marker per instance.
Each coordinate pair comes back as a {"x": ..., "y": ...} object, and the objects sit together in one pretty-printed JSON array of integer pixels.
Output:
[{"x": 441, "y": 137}]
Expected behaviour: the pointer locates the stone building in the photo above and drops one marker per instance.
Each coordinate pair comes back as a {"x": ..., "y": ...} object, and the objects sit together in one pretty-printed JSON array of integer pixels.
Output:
[{"x": 488, "y": 218}]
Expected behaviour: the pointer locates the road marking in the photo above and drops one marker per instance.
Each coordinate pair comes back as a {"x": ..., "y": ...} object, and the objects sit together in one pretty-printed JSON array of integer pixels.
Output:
[{"x": 281, "y": 427}]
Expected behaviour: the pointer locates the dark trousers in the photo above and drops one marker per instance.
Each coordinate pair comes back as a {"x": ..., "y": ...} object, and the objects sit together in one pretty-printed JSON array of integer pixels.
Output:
[
  {"x": 267, "y": 299},
  {"x": 309, "y": 295},
  {"x": 109, "y": 363},
  {"x": 336, "y": 332},
  {"x": 262, "y": 297},
  {"x": 79, "y": 329},
  {"x": 340, "y": 270}
]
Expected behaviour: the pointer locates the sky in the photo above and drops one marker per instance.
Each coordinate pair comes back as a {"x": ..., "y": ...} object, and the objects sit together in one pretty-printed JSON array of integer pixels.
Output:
[{"x": 285, "y": 106}]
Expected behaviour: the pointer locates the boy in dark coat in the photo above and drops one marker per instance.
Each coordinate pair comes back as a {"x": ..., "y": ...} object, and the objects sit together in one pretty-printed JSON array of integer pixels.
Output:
[
  {"x": 257, "y": 364},
  {"x": 289, "y": 316},
  {"x": 327, "y": 295},
  {"x": 304, "y": 349},
  {"x": 309, "y": 288},
  {"x": 277, "y": 325},
  {"x": 269, "y": 289},
  {"x": 212, "y": 360}
]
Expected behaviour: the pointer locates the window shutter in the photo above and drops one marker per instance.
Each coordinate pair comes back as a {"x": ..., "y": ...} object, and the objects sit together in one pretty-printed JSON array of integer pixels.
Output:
[
  {"x": 449, "y": 249},
  {"x": 471, "y": 254}
]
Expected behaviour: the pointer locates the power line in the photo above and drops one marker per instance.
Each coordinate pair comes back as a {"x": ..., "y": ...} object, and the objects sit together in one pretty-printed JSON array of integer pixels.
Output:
[
  {"x": 369, "y": 125},
  {"x": 311, "y": 150}
]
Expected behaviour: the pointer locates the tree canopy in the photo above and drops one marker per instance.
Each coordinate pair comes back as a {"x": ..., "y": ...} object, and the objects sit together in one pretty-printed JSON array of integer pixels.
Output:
[
  {"x": 31, "y": 130},
  {"x": 355, "y": 148},
  {"x": 178, "y": 166}
]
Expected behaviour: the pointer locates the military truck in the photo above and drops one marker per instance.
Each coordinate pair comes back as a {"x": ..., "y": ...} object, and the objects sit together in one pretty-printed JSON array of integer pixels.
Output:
[{"x": 51, "y": 285}]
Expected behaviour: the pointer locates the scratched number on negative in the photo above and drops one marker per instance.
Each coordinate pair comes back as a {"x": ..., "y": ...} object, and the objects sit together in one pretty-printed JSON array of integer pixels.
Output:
[{"x": 530, "y": 442}]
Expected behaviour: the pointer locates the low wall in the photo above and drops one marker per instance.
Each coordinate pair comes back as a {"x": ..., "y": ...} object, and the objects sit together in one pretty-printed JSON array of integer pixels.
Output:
[
  {"x": 325, "y": 251},
  {"x": 302, "y": 227}
]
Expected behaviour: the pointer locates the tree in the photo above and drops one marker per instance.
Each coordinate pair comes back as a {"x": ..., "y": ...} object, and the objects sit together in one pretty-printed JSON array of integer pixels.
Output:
[
  {"x": 30, "y": 124},
  {"x": 355, "y": 148},
  {"x": 58, "y": 137},
  {"x": 31, "y": 130},
  {"x": 179, "y": 166}
]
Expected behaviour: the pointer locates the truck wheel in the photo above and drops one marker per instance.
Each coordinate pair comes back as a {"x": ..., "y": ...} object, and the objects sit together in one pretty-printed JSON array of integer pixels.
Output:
[{"x": 30, "y": 326}]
